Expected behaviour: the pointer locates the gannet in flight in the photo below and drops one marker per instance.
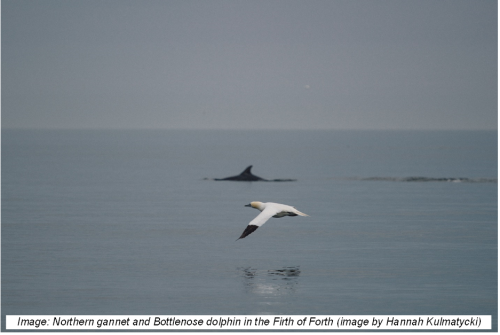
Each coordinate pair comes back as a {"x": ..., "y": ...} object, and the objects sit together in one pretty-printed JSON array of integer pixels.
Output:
[{"x": 268, "y": 210}]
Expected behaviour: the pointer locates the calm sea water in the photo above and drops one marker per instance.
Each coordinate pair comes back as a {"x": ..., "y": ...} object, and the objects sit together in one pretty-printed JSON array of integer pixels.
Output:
[{"x": 123, "y": 222}]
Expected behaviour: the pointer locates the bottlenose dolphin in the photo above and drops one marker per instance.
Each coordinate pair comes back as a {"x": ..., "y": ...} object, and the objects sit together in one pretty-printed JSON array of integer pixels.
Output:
[{"x": 247, "y": 175}]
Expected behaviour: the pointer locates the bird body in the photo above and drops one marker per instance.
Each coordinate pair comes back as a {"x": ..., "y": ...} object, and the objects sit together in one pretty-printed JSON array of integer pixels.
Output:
[{"x": 268, "y": 210}]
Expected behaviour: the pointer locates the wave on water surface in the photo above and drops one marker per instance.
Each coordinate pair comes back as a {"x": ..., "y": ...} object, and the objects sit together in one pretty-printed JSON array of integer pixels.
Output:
[{"x": 429, "y": 179}]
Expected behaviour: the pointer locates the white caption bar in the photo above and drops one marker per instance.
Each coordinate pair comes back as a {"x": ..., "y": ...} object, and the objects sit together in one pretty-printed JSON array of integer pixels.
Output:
[{"x": 248, "y": 322}]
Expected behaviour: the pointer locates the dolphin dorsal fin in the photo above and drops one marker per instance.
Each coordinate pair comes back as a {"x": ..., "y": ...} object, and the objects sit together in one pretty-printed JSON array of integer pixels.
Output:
[{"x": 247, "y": 170}]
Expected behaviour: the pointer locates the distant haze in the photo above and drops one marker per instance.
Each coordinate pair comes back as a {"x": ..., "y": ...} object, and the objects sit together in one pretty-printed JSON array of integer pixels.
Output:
[{"x": 333, "y": 64}]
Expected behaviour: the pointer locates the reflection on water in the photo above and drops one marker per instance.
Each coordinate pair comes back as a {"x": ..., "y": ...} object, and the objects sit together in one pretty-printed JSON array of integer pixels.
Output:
[{"x": 270, "y": 282}]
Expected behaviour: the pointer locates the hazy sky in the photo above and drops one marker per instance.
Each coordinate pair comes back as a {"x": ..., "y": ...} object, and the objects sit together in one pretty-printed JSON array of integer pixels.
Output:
[{"x": 355, "y": 64}]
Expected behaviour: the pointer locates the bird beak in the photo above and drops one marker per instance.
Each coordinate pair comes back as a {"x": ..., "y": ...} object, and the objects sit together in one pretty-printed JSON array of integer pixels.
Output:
[{"x": 249, "y": 205}]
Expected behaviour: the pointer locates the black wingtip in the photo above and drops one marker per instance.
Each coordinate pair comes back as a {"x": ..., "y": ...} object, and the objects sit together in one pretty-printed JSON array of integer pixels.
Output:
[{"x": 248, "y": 230}]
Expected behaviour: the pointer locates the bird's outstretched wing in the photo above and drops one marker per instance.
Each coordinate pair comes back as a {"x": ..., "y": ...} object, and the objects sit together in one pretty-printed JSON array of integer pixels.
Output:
[{"x": 259, "y": 220}]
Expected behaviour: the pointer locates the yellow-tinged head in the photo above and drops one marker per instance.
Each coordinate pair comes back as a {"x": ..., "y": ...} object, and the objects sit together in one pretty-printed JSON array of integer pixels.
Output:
[{"x": 255, "y": 204}]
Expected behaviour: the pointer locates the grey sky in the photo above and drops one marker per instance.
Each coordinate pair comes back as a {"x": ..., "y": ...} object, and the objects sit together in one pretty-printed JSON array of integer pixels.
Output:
[{"x": 377, "y": 64}]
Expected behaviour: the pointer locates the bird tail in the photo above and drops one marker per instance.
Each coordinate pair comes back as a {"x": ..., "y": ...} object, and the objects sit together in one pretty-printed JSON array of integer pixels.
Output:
[{"x": 300, "y": 213}]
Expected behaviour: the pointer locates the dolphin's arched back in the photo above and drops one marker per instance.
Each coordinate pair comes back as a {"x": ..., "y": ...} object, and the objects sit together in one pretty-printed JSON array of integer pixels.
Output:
[{"x": 247, "y": 175}]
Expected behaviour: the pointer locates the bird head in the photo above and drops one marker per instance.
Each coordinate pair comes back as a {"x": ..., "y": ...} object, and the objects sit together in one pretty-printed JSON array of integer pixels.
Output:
[{"x": 255, "y": 204}]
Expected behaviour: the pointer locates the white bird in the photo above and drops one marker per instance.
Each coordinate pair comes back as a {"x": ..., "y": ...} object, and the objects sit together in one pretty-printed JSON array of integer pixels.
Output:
[{"x": 268, "y": 210}]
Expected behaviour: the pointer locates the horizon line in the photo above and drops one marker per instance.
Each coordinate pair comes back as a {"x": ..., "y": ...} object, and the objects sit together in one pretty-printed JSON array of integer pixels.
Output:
[{"x": 249, "y": 129}]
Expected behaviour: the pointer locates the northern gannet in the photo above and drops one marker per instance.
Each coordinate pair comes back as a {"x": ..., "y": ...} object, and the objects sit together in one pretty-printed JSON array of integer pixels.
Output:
[{"x": 268, "y": 210}]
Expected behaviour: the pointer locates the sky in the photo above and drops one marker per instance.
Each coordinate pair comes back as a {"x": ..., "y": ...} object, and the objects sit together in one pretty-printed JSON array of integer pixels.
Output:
[{"x": 250, "y": 64}]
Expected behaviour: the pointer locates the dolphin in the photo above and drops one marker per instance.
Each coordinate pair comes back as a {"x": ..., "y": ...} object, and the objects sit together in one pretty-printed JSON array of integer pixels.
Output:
[{"x": 247, "y": 175}]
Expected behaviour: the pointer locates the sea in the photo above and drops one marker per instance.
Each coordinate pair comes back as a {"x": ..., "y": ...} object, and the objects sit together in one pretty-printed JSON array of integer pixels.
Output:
[{"x": 132, "y": 222}]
